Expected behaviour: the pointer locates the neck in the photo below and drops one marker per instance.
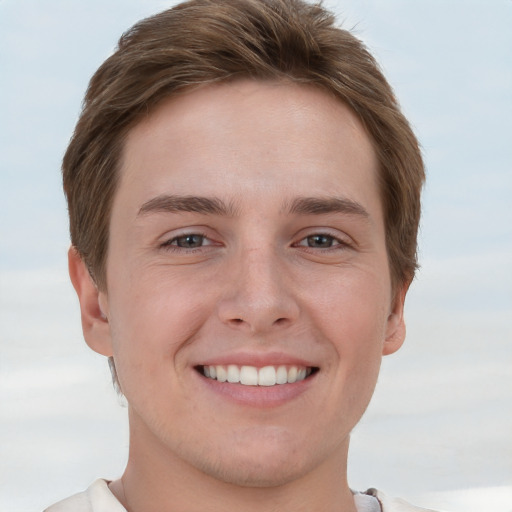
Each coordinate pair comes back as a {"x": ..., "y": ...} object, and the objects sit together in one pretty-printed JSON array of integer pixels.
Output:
[{"x": 156, "y": 479}]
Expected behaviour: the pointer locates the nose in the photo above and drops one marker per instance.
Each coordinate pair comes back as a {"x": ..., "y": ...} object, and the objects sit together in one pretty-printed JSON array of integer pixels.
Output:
[{"x": 259, "y": 293}]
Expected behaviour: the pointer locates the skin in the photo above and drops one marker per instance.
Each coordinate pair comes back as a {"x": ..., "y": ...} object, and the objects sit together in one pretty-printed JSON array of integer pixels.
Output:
[{"x": 265, "y": 281}]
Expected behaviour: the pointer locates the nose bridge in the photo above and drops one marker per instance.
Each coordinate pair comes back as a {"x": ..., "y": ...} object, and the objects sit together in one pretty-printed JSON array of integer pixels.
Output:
[{"x": 259, "y": 295}]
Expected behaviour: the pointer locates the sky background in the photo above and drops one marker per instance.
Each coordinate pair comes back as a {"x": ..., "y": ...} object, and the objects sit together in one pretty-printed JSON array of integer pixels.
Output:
[{"x": 438, "y": 431}]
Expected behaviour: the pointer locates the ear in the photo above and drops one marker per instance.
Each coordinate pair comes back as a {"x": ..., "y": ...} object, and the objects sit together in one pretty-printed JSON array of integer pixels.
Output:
[
  {"x": 93, "y": 305},
  {"x": 395, "y": 329}
]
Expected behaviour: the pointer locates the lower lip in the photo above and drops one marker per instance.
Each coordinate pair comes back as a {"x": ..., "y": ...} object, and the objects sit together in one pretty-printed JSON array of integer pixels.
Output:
[{"x": 258, "y": 396}]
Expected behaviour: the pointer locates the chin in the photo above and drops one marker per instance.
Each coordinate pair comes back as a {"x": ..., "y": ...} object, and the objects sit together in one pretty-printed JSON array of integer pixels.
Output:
[
  {"x": 250, "y": 473},
  {"x": 268, "y": 459}
]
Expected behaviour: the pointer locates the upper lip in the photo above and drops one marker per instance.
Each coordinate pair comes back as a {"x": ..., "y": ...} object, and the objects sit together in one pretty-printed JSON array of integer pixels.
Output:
[{"x": 257, "y": 359}]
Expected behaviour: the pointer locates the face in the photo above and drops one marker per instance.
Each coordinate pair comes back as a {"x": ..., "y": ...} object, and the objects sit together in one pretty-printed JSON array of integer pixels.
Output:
[{"x": 248, "y": 298}]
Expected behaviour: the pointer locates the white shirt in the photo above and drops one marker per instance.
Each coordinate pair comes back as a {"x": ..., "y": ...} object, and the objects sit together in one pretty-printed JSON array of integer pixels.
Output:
[{"x": 99, "y": 498}]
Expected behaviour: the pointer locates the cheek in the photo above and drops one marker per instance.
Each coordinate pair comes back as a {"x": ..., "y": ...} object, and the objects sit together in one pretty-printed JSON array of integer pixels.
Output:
[
  {"x": 352, "y": 311},
  {"x": 151, "y": 320},
  {"x": 159, "y": 305},
  {"x": 351, "y": 316}
]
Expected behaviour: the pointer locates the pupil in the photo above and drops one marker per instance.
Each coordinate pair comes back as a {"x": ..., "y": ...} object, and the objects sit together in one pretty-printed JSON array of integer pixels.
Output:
[
  {"x": 320, "y": 241},
  {"x": 190, "y": 241}
]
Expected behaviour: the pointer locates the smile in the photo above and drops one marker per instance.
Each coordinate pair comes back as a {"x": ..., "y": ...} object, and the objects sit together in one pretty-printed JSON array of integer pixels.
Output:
[{"x": 253, "y": 376}]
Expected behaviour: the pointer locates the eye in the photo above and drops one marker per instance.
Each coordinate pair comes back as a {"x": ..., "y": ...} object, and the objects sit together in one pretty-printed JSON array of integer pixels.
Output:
[
  {"x": 187, "y": 241},
  {"x": 319, "y": 241}
]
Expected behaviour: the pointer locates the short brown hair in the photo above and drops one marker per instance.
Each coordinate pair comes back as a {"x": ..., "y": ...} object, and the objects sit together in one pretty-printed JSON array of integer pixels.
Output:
[{"x": 209, "y": 41}]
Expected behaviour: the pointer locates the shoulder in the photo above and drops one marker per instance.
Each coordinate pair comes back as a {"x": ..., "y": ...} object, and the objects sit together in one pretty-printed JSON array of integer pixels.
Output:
[
  {"x": 97, "y": 498},
  {"x": 390, "y": 504}
]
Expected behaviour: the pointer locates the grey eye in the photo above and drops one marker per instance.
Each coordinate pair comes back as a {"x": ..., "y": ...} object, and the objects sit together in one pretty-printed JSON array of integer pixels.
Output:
[
  {"x": 189, "y": 241},
  {"x": 320, "y": 241}
]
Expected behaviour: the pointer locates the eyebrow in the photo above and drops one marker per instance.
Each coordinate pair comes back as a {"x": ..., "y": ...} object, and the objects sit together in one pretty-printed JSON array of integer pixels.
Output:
[
  {"x": 177, "y": 204},
  {"x": 324, "y": 205},
  {"x": 215, "y": 206}
]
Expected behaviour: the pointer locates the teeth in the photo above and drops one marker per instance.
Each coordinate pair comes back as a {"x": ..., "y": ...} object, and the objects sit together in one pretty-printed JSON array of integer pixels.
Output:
[
  {"x": 233, "y": 373},
  {"x": 282, "y": 375},
  {"x": 267, "y": 376},
  {"x": 249, "y": 375},
  {"x": 222, "y": 374},
  {"x": 252, "y": 376}
]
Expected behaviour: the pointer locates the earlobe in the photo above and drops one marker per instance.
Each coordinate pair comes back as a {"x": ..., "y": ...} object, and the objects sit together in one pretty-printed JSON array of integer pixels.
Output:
[
  {"x": 93, "y": 305},
  {"x": 395, "y": 330}
]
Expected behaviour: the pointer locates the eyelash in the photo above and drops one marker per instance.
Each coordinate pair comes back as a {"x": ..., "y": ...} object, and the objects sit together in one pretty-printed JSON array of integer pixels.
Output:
[
  {"x": 172, "y": 244},
  {"x": 335, "y": 243}
]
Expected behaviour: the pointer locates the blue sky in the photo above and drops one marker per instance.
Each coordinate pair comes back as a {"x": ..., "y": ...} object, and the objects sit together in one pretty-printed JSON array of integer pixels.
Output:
[{"x": 441, "y": 418}]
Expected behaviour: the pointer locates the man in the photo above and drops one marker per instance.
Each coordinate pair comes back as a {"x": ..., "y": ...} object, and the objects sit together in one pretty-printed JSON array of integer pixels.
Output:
[{"x": 244, "y": 199}]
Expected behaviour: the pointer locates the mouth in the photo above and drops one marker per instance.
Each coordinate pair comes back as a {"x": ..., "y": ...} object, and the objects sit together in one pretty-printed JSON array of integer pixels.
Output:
[{"x": 254, "y": 376}]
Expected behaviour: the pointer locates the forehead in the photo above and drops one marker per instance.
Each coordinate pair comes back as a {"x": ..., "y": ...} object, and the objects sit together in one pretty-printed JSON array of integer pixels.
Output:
[{"x": 232, "y": 134}]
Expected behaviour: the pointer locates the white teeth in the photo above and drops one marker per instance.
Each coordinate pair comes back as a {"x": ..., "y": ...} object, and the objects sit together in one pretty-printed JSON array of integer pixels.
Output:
[
  {"x": 282, "y": 375},
  {"x": 253, "y": 376},
  {"x": 267, "y": 376},
  {"x": 222, "y": 374},
  {"x": 233, "y": 373},
  {"x": 249, "y": 376},
  {"x": 292, "y": 375}
]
